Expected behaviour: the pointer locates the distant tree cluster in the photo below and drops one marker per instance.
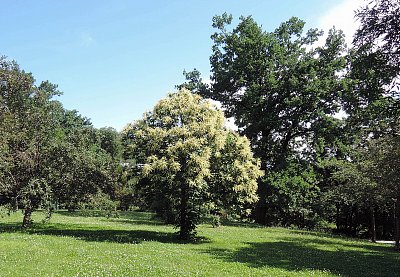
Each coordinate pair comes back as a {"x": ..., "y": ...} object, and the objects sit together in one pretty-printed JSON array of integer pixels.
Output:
[{"x": 49, "y": 156}]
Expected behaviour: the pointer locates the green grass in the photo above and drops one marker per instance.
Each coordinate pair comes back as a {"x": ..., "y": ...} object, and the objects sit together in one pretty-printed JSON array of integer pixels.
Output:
[{"x": 76, "y": 244}]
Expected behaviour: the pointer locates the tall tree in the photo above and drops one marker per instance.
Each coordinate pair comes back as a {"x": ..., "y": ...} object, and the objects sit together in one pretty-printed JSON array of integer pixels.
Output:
[
  {"x": 277, "y": 86},
  {"x": 175, "y": 144}
]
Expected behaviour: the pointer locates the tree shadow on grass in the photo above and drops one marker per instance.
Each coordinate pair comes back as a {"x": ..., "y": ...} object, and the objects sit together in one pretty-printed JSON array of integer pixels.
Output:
[
  {"x": 131, "y": 217},
  {"x": 91, "y": 234},
  {"x": 242, "y": 224},
  {"x": 309, "y": 254},
  {"x": 150, "y": 222}
]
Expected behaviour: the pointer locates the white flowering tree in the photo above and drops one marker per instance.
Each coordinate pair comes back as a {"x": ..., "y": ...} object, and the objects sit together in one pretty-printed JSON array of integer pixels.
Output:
[{"x": 181, "y": 145}]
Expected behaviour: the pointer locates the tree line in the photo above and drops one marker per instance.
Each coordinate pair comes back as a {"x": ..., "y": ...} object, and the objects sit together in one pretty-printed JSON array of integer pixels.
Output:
[{"x": 317, "y": 141}]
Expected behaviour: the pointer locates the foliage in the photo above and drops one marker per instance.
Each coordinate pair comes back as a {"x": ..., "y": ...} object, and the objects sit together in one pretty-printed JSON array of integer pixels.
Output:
[
  {"x": 372, "y": 104},
  {"x": 234, "y": 175},
  {"x": 101, "y": 202},
  {"x": 380, "y": 29},
  {"x": 383, "y": 157},
  {"x": 293, "y": 199},
  {"x": 374, "y": 100},
  {"x": 110, "y": 142},
  {"x": 48, "y": 155},
  {"x": 194, "y": 82},
  {"x": 276, "y": 89},
  {"x": 366, "y": 182},
  {"x": 84, "y": 161},
  {"x": 175, "y": 144},
  {"x": 27, "y": 125},
  {"x": 280, "y": 89}
]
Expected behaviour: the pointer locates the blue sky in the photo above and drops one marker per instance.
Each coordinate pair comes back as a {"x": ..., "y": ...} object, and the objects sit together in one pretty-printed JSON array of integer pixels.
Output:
[{"x": 113, "y": 60}]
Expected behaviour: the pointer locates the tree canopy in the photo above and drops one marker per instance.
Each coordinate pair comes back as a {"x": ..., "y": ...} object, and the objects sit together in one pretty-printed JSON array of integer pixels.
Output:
[
  {"x": 185, "y": 155},
  {"x": 278, "y": 86}
]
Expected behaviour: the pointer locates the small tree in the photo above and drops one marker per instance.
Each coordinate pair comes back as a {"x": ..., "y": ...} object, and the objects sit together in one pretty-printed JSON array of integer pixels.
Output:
[
  {"x": 176, "y": 145},
  {"x": 357, "y": 186}
]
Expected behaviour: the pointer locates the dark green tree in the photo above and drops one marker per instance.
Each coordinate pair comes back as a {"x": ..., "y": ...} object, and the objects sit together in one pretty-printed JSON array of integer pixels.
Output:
[
  {"x": 370, "y": 178},
  {"x": 373, "y": 102},
  {"x": 83, "y": 161},
  {"x": 28, "y": 122},
  {"x": 384, "y": 154},
  {"x": 110, "y": 141},
  {"x": 48, "y": 154},
  {"x": 278, "y": 86}
]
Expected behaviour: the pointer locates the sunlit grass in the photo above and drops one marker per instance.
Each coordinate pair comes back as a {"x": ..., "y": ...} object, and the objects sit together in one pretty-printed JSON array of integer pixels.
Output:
[{"x": 76, "y": 244}]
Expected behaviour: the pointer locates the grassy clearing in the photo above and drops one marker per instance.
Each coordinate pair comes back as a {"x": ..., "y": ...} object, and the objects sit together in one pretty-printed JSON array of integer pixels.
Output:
[{"x": 75, "y": 244}]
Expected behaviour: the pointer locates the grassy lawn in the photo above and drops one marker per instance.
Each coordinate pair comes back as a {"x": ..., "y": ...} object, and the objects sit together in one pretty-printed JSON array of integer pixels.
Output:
[{"x": 75, "y": 244}]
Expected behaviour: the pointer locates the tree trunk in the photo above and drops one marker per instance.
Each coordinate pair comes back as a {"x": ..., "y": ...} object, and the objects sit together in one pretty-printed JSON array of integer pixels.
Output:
[
  {"x": 27, "y": 221},
  {"x": 184, "y": 232},
  {"x": 260, "y": 210},
  {"x": 373, "y": 225},
  {"x": 397, "y": 224}
]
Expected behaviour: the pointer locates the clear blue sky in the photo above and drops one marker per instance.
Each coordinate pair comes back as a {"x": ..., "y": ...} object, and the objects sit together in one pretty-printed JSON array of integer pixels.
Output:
[{"x": 113, "y": 60}]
